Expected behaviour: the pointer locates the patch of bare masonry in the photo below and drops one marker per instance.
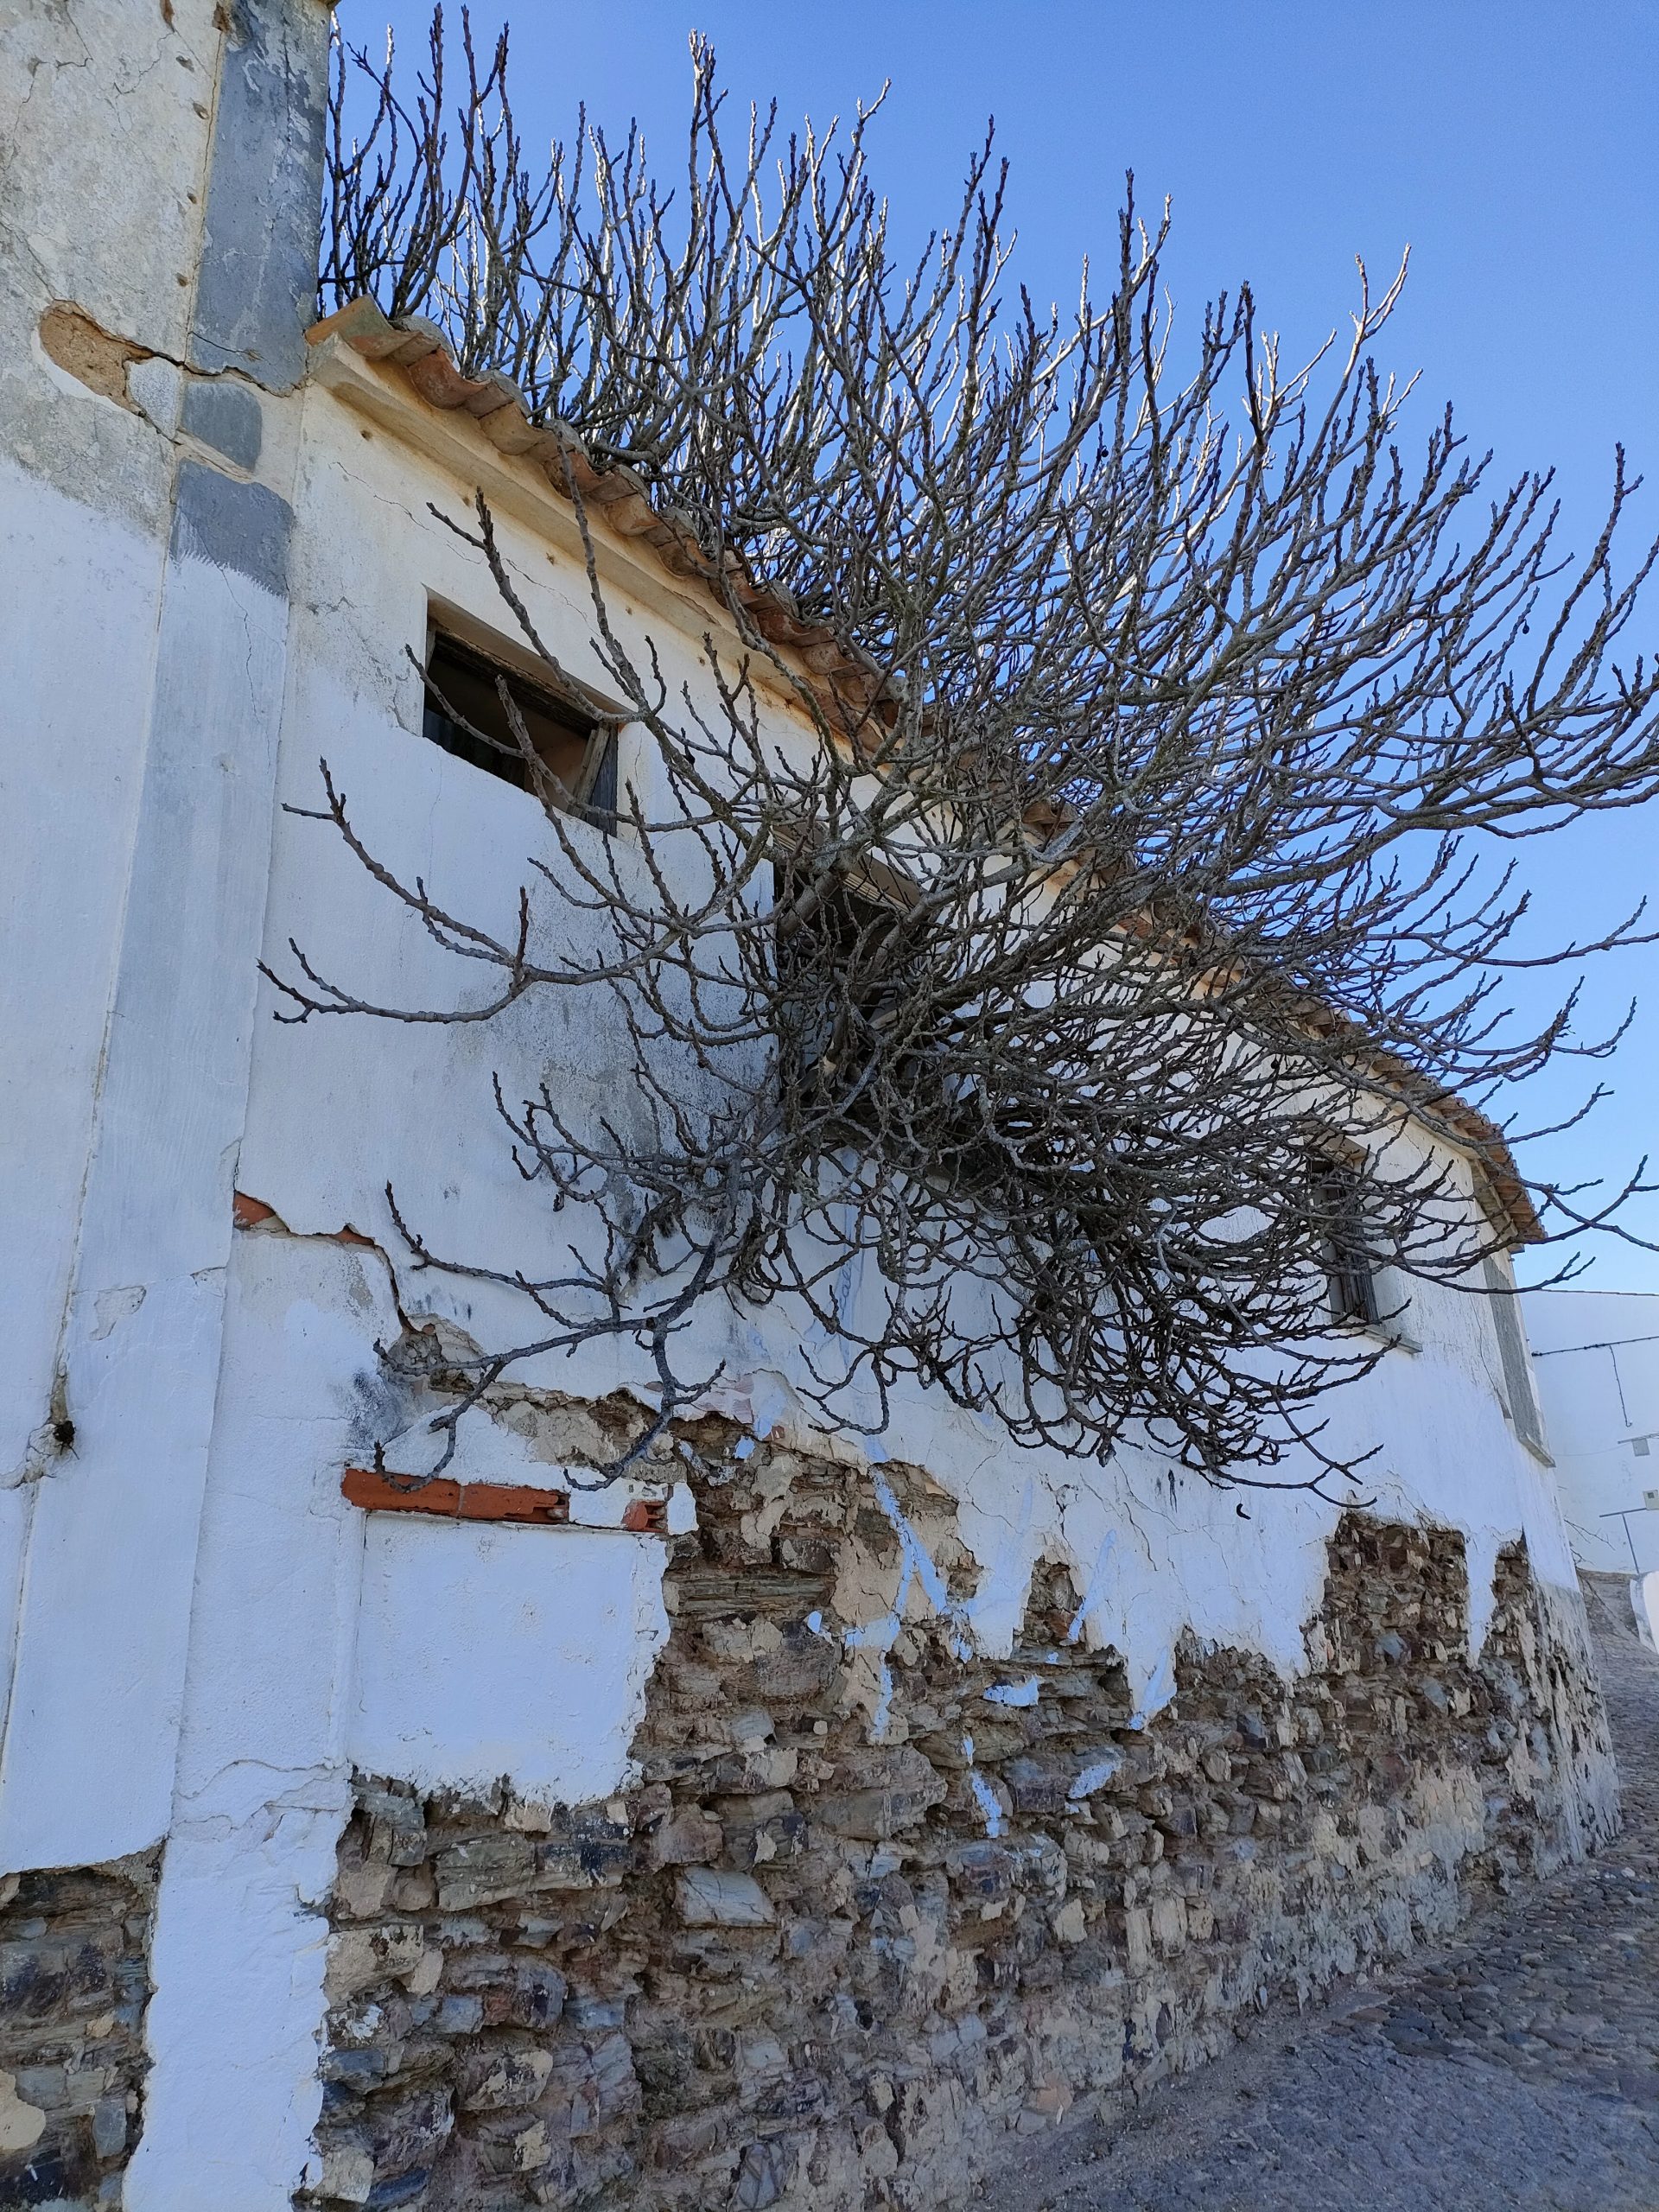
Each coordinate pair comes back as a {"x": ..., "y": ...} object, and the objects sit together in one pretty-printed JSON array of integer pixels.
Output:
[
  {"x": 796, "y": 1966},
  {"x": 74, "y": 1981}
]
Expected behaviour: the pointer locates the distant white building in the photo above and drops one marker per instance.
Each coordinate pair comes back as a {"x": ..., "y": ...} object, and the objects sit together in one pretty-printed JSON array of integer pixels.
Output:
[{"x": 1596, "y": 1357}]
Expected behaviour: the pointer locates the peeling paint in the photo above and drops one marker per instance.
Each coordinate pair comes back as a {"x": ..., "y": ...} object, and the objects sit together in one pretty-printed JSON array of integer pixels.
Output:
[
  {"x": 1091, "y": 1588},
  {"x": 111, "y": 1307},
  {"x": 1024, "y": 1692},
  {"x": 1159, "y": 1693},
  {"x": 1095, "y": 1776},
  {"x": 985, "y": 1799}
]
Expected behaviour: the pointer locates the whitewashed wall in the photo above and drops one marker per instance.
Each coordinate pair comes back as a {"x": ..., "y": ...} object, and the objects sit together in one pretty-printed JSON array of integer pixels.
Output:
[
  {"x": 200, "y": 1638},
  {"x": 440, "y": 1654},
  {"x": 159, "y": 217},
  {"x": 1596, "y": 1359},
  {"x": 108, "y": 111}
]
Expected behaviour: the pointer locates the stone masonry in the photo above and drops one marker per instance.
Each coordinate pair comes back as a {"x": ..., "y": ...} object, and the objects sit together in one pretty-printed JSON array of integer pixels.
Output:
[
  {"x": 858, "y": 1920},
  {"x": 75, "y": 1979},
  {"x": 1514, "y": 2068}
]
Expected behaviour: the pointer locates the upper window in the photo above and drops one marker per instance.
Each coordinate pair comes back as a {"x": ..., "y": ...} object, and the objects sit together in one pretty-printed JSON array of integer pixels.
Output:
[
  {"x": 1518, "y": 1391},
  {"x": 835, "y": 952},
  {"x": 565, "y": 757},
  {"x": 1351, "y": 1267}
]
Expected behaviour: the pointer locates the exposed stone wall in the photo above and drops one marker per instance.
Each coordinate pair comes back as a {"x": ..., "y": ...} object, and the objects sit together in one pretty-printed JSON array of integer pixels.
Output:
[
  {"x": 75, "y": 1979},
  {"x": 795, "y": 1966}
]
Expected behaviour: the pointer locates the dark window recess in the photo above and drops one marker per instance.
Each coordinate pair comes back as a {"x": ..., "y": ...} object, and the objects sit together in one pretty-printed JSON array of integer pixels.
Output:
[
  {"x": 464, "y": 715},
  {"x": 846, "y": 932},
  {"x": 1339, "y": 1203}
]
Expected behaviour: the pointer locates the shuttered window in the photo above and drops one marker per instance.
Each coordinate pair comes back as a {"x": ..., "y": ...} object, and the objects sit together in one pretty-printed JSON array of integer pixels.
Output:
[{"x": 1518, "y": 1389}]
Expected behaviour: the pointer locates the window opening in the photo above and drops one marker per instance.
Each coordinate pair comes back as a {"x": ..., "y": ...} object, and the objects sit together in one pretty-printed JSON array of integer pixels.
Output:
[
  {"x": 573, "y": 753},
  {"x": 1349, "y": 1265},
  {"x": 1512, "y": 1350},
  {"x": 845, "y": 933}
]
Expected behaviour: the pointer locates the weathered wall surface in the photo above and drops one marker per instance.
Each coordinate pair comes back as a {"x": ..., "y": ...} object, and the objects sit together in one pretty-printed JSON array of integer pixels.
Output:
[
  {"x": 107, "y": 109},
  {"x": 74, "y": 1976},
  {"x": 523, "y": 1660},
  {"x": 1596, "y": 1359},
  {"x": 437, "y": 1658},
  {"x": 161, "y": 173},
  {"x": 904, "y": 1801},
  {"x": 792, "y": 1965}
]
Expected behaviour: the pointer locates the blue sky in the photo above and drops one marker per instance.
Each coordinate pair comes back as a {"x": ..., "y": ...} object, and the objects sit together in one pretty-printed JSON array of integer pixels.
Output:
[{"x": 1512, "y": 144}]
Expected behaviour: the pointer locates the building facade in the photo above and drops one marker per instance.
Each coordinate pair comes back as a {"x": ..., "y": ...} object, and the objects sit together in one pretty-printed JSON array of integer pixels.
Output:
[
  {"x": 789, "y": 1831},
  {"x": 1596, "y": 1357}
]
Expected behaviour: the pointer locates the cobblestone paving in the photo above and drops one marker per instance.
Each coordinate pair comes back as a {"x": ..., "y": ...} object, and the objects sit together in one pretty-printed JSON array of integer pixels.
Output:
[{"x": 1516, "y": 2071}]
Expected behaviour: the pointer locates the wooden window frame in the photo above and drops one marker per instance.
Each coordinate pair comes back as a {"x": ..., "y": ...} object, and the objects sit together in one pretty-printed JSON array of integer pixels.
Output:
[
  {"x": 544, "y": 693},
  {"x": 1351, "y": 1266}
]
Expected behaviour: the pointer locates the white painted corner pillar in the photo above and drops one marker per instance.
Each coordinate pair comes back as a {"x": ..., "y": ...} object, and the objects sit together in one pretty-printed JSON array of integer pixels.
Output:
[
  {"x": 105, "y": 1603},
  {"x": 106, "y": 1530}
]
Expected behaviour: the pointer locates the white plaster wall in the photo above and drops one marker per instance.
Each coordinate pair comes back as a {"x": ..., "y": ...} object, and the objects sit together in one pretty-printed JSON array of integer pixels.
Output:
[
  {"x": 104, "y": 107},
  {"x": 103, "y": 1594},
  {"x": 262, "y": 1790},
  {"x": 320, "y": 1639},
  {"x": 449, "y": 1654},
  {"x": 483, "y": 1651},
  {"x": 86, "y": 117},
  {"x": 1596, "y": 1361},
  {"x": 1246, "y": 1568},
  {"x": 71, "y": 753},
  {"x": 70, "y": 750},
  {"x": 372, "y": 555},
  {"x": 1644, "y": 1603},
  {"x": 370, "y": 558}
]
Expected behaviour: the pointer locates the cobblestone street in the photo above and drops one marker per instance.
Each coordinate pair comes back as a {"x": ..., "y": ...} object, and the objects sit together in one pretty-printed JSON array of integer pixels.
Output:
[{"x": 1516, "y": 2070}]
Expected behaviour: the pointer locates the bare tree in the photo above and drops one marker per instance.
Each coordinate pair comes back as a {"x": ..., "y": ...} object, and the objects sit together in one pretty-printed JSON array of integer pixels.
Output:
[{"x": 1046, "y": 1027}]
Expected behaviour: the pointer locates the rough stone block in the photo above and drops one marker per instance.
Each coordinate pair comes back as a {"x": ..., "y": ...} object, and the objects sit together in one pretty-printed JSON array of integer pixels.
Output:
[
  {"x": 709, "y": 1898},
  {"x": 484, "y": 1871},
  {"x": 361, "y": 1957},
  {"x": 504, "y": 2078},
  {"x": 693, "y": 1838},
  {"x": 593, "y": 1853}
]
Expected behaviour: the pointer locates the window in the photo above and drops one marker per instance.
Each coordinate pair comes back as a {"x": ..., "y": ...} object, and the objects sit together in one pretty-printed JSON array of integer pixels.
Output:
[
  {"x": 1350, "y": 1269},
  {"x": 1518, "y": 1391},
  {"x": 846, "y": 933},
  {"x": 573, "y": 763}
]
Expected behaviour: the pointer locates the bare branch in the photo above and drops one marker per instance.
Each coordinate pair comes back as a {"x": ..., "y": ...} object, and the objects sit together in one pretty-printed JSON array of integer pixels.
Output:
[{"x": 1130, "y": 858}]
